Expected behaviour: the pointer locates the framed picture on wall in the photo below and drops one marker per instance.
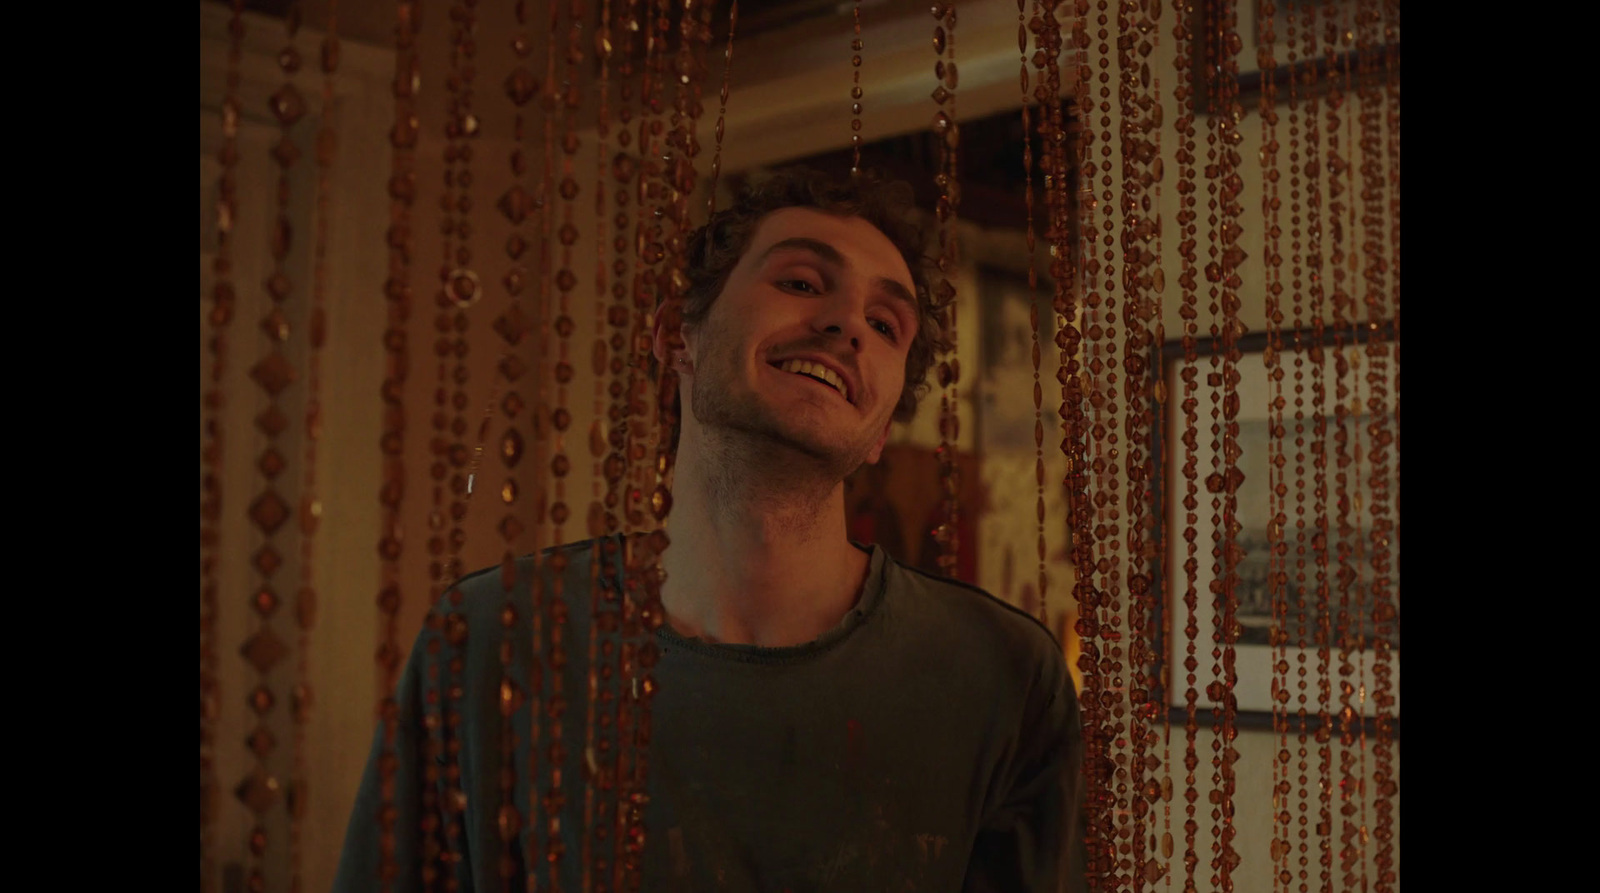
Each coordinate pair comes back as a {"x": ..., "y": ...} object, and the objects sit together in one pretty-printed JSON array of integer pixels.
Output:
[
  {"x": 1309, "y": 67},
  {"x": 1004, "y": 383},
  {"x": 1329, "y": 604}
]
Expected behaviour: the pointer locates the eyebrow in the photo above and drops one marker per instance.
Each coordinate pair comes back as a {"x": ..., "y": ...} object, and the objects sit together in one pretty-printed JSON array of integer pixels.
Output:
[{"x": 831, "y": 255}]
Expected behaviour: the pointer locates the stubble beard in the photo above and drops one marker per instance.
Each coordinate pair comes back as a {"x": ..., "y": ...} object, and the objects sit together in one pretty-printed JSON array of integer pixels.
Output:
[{"x": 749, "y": 438}]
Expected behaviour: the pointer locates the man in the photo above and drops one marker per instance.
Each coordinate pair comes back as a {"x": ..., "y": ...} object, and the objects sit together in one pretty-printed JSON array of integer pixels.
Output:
[{"x": 826, "y": 719}]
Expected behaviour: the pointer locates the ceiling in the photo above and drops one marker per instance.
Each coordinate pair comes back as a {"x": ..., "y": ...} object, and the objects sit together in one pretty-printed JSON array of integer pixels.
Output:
[
  {"x": 991, "y": 168},
  {"x": 373, "y": 22}
]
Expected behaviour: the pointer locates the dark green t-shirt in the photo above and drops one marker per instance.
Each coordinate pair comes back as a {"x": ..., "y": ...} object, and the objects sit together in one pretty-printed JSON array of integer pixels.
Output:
[{"x": 929, "y": 742}]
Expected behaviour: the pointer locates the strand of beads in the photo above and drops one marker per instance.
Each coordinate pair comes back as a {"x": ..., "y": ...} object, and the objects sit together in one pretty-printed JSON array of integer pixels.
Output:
[
  {"x": 512, "y": 325},
  {"x": 1341, "y": 261},
  {"x": 544, "y": 680},
  {"x": 1346, "y": 449},
  {"x": 1355, "y": 832},
  {"x": 459, "y": 290},
  {"x": 947, "y": 132},
  {"x": 273, "y": 374},
  {"x": 1099, "y": 212},
  {"x": 1187, "y": 96},
  {"x": 1231, "y": 260},
  {"x": 1347, "y": 548},
  {"x": 568, "y": 99},
  {"x": 1321, "y": 608},
  {"x": 1391, "y": 102},
  {"x": 1129, "y": 226},
  {"x": 722, "y": 111},
  {"x": 1159, "y": 683},
  {"x": 1319, "y": 544},
  {"x": 641, "y": 581},
  {"x": 1314, "y": 294},
  {"x": 310, "y": 513},
  {"x": 1057, "y": 189},
  {"x": 612, "y": 750},
  {"x": 1100, "y": 314},
  {"x": 1033, "y": 299},
  {"x": 1383, "y": 301},
  {"x": 223, "y": 301},
  {"x": 855, "y": 93},
  {"x": 598, "y": 722},
  {"x": 1074, "y": 185},
  {"x": 1277, "y": 546},
  {"x": 1383, "y": 309},
  {"x": 1298, "y": 637},
  {"x": 397, "y": 292},
  {"x": 1139, "y": 156}
]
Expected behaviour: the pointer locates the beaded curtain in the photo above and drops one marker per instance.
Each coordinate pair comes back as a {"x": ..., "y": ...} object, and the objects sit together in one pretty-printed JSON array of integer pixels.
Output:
[{"x": 1213, "y": 199}]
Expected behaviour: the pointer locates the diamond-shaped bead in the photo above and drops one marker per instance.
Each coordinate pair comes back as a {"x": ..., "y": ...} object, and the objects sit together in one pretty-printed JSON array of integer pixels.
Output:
[
  {"x": 513, "y": 368},
  {"x": 273, "y": 374},
  {"x": 267, "y": 560},
  {"x": 515, "y": 279},
  {"x": 264, "y": 650},
  {"x": 285, "y": 152},
  {"x": 279, "y": 286},
  {"x": 259, "y": 792},
  {"x": 515, "y": 204},
  {"x": 269, "y": 512},
  {"x": 511, "y": 447},
  {"x": 276, "y": 325},
  {"x": 512, "y": 325},
  {"x": 510, "y": 528},
  {"x": 265, "y": 602},
  {"x": 521, "y": 85},
  {"x": 261, "y": 700},
  {"x": 272, "y": 421},
  {"x": 287, "y": 105},
  {"x": 271, "y": 463},
  {"x": 261, "y": 741},
  {"x": 289, "y": 60}
]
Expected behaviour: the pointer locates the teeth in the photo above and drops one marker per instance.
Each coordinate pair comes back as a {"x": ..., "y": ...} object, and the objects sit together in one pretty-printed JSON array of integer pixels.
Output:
[{"x": 806, "y": 367}]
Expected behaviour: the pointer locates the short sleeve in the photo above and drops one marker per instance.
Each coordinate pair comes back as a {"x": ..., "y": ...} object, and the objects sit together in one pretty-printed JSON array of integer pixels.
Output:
[
  {"x": 361, "y": 859},
  {"x": 1032, "y": 841}
]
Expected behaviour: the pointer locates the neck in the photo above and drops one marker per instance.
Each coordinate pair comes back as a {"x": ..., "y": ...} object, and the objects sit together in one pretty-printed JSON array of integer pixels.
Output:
[{"x": 759, "y": 552}]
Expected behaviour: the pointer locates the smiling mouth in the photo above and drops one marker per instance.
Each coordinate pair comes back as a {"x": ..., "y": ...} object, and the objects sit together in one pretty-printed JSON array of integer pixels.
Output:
[{"x": 815, "y": 372}]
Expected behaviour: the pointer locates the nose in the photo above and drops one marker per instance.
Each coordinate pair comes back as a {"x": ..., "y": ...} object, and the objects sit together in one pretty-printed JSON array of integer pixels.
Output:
[
  {"x": 837, "y": 331},
  {"x": 841, "y": 318}
]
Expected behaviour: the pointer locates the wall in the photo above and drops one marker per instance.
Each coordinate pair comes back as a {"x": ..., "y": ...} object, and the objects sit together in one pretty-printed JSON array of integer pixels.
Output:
[{"x": 789, "y": 101}]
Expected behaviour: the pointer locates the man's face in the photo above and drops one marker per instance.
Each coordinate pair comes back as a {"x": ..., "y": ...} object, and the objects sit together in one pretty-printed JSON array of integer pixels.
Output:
[{"x": 806, "y": 346}]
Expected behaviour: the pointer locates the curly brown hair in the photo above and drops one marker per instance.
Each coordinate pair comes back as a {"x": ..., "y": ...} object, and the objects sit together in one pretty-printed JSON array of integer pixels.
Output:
[{"x": 715, "y": 249}]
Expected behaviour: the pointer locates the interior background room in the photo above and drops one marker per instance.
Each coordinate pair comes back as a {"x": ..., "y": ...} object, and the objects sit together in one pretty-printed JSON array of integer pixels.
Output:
[{"x": 1294, "y": 574}]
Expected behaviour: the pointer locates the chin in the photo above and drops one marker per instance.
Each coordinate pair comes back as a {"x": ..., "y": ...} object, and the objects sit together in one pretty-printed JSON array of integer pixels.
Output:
[
  {"x": 789, "y": 446},
  {"x": 811, "y": 434}
]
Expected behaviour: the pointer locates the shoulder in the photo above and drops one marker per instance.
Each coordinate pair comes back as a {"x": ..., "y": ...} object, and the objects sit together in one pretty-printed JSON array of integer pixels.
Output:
[
  {"x": 501, "y": 602},
  {"x": 486, "y": 590},
  {"x": 953, "y": 614},
  {"x": 479, "y": 599}
]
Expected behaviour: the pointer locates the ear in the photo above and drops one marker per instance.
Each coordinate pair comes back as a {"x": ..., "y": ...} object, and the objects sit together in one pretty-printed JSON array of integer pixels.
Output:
[
  {"x": 877, "y": 448},
  {"x": 658, "y": 340},
  {"x": 661, "y": 340}
]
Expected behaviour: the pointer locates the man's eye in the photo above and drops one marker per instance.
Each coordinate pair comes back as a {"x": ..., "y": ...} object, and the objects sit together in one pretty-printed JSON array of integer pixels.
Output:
[
  {"x": 887, "y": 328},
  {"x": 799, "y": 285}
]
